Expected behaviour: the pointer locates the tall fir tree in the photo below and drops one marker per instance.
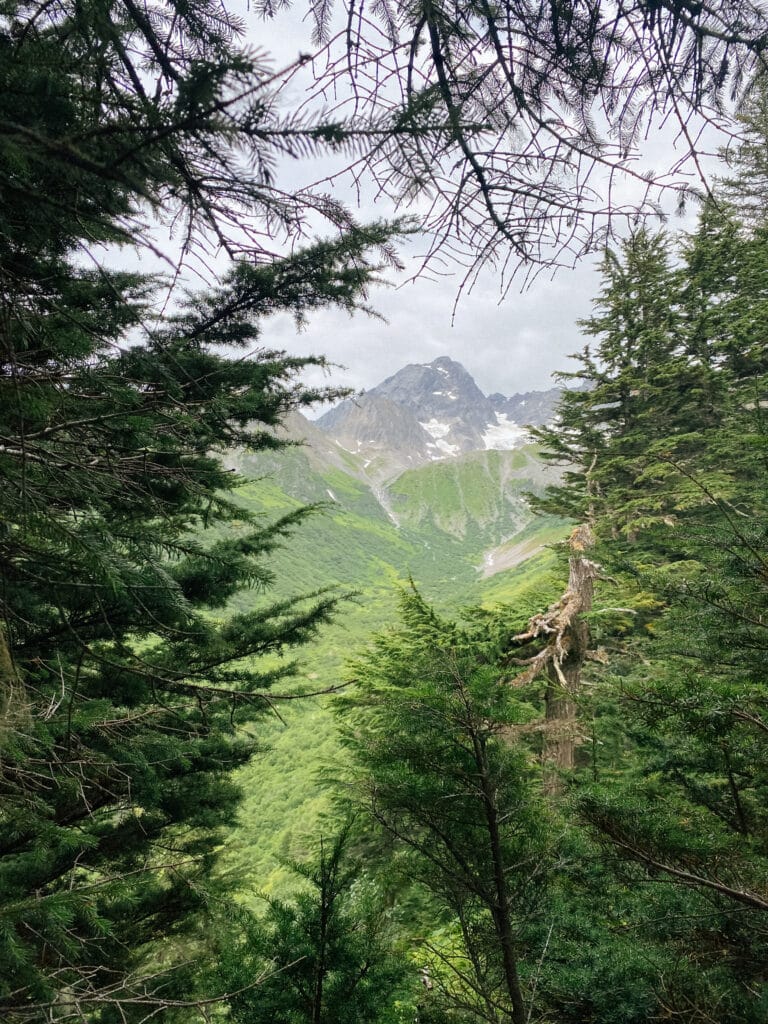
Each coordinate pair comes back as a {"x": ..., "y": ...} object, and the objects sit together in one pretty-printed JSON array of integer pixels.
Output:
[
  {"x": 327, "y": 956},
  {"x": 122, "y": 676},
  {"x": 669, "y": 464},
  {"x": 440, "y": 779}
]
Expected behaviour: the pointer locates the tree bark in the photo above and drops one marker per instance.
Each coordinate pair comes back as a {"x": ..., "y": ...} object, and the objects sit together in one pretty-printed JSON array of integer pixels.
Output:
[
  {"x": 12, "y": 698},
  {"x": 562, "y": 658},
  {"x": 560, "y": 736},
  {"x": 500, "y": 912},
  {"x": 564, "y": 671},
  {"x": 326, "y": 899}
]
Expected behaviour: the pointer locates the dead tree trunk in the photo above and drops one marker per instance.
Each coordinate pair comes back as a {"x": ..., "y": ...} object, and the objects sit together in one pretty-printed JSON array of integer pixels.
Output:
[
  {"x": 566, "y": 646},
  {"x": 13, "y": 707}
]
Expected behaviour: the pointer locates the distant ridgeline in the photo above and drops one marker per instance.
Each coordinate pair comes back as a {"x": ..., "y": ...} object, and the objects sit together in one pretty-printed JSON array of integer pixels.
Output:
[{"x": 430, "y": 411}]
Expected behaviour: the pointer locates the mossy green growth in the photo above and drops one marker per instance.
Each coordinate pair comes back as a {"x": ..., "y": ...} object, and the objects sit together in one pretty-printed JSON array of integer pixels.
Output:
[{"x": 474, "y": 498}]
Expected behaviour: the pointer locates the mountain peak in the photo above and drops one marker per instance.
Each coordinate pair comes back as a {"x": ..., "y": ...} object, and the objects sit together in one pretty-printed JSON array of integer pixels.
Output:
[
  {"x": 432, "y": 411},
  {"x": 442, "y": 390},
  {"x": 447, "y": 364}
]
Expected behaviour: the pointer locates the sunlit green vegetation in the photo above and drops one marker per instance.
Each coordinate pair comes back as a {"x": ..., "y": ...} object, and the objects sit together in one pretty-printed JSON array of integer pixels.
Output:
[{"x": 353, "y": 545}]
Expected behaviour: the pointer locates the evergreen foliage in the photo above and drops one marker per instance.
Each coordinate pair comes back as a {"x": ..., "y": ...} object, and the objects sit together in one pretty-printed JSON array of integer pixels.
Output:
[
  {"x": 446, "y": 759},
  {"x": 325, "y": 957},
  {"x": 443, "y": 782},
  {"x": 667, "y": 445},
  {"x": 122, "y": 676},
  {"x": 639, "y": 893}
]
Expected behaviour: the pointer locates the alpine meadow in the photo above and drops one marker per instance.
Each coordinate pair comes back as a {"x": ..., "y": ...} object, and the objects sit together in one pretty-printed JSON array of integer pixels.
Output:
[{"x": 442, "y": 707}]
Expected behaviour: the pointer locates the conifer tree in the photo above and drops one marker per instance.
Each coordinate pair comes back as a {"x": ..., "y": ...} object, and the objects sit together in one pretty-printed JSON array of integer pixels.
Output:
[
  {"x": 500, "y": 883},
  {"x": 524, "y": 105},
  {"x": 747, "y": 188},
  {"x": 669, "y": 460},
  {"x": 123, "y": 677},
  {"x": 440, "y": 778},
  {"x": 606, "y": 425},
  {"x": 324, "y": 957}
]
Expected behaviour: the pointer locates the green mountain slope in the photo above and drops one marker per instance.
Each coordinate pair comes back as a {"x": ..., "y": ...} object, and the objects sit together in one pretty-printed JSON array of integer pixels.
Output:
[
  {"x": 477, "y": 498},
  {"x": 433, "y": 522},
  {"x": 448, "y": 525}
]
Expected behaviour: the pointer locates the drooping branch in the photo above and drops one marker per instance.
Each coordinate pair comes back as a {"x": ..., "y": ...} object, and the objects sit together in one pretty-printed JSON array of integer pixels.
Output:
[
  {"x": 513, "y": 124},
  {"x": 743, "y": 896}
]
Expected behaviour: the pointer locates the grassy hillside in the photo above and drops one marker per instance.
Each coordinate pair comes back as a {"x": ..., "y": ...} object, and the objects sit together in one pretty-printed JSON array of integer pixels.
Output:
[
  {"x": 477, "y": 498},
  {"x": 434, "y": 523}
]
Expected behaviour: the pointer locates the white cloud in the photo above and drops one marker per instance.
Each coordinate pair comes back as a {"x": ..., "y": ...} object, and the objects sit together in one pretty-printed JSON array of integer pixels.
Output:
[{"x": 509, "y": 347}]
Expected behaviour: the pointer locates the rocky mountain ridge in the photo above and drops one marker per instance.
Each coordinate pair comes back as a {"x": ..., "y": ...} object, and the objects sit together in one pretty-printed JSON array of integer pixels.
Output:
[{"x": 431, "y": 412}]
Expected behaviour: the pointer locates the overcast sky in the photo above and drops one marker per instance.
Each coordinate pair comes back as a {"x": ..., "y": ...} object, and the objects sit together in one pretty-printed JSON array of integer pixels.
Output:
[{"x": 510, "y": 346}]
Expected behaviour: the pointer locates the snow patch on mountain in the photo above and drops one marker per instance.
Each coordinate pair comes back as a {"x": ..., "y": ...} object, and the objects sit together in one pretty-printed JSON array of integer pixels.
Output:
[
  {"x": 505, "y": 434},
  {"x": 352, "y": 451},
  {"x": 435, "y": 428},
  {"x": 449, "y": 449},
  {"x": 431, "y": 412},
  {"x": 439, "y": 447},
  {"x": 439, "y": 450}
]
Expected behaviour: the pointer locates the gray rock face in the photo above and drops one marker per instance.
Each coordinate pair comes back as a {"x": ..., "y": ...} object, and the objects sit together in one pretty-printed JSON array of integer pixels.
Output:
[
  {"x": 373, "y": 421},
  {"x": 430, "y": 411},
  {"x": 441, "y": 390},
  {"x": 531, "y": 408}
]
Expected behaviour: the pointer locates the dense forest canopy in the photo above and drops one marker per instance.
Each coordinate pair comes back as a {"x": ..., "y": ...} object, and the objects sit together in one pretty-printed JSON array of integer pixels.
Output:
[
  {"x": 635, "y": 703},
  {"x": 124, "y": 680}
]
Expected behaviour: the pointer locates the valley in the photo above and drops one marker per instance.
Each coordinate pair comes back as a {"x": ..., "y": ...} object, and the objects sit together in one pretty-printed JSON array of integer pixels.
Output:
[{"x": 391, "y": 508}]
